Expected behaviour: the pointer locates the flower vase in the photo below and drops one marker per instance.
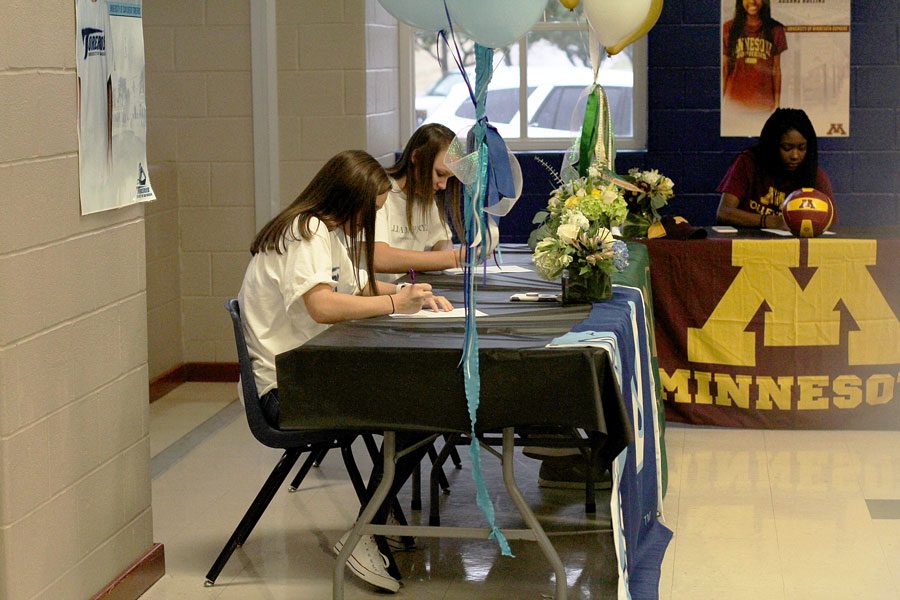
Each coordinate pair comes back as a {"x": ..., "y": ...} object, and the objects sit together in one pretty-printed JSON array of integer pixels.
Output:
[
  {"x": 636, "y": 225},
  {"x": 594, "y": 286}
]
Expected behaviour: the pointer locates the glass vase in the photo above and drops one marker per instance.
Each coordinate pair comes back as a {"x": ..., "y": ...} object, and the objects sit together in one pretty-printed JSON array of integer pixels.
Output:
[
  {"x": 594, "y": 286},
  {"x": 636, "y": 225}
]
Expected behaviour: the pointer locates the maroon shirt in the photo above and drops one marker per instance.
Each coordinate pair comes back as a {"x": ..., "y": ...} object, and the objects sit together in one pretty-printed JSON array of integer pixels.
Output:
[
  {"x": 762, "y": 194},
  {"x": 752, "y": 82}
]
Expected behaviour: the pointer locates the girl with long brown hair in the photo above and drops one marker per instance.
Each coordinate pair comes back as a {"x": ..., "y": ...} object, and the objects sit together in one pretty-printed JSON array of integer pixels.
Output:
[{"x": 413, "y": 231}]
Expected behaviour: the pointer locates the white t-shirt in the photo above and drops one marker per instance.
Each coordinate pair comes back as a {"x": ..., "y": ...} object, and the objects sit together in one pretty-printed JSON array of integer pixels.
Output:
[
  {"x": 271, "y": 297},
  {"x": 392, "y": 228},
  {"x": 93, "y": 55}
]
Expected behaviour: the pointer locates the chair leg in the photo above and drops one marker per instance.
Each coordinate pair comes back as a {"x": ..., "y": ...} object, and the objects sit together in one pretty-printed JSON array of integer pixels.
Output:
[
  {"x": 320, "y": 456},
  {"x": 416, "y": 501},
  {"x": 454, "y": 455},
  {"x": 437, "y": 470},
  {"x": 353, "y": 471},
  {"x": 590, "y": 505},
  {"x": 372, "y": 447},
  {"x": 314, "y": 454},
  {"x": 256, "y": 510},
  {"x": 442, "y": 478}
]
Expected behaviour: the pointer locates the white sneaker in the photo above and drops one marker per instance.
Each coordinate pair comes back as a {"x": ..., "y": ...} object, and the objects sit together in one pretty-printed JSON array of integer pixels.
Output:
[
  {"x": 396, "y": 542},
  {"x": 368, "y": 563}
]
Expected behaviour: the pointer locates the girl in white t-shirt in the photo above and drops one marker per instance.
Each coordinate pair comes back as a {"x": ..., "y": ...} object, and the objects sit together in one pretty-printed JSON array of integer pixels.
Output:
[
  {"x": 411, "y": 230},
  {"x": 305, "y": 274}
]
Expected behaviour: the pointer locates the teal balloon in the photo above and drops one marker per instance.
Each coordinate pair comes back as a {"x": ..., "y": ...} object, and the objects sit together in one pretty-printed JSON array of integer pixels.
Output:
[
  {"x": 495, "y": 23},
  {"x": 424, "y": 14}
]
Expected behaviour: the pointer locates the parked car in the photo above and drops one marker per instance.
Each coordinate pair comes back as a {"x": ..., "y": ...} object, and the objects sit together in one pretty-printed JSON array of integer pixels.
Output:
[
  {"x": 556, "y": 101},
  {"x": 436, "y": 94}
]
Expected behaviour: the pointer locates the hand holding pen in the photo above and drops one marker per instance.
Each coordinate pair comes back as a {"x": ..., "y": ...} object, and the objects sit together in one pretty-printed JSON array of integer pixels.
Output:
[{"x": 413, "y": 297}]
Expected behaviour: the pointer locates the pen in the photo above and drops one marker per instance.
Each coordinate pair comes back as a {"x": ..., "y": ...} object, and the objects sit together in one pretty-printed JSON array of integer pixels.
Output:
[{"x": 412, "y": 276}]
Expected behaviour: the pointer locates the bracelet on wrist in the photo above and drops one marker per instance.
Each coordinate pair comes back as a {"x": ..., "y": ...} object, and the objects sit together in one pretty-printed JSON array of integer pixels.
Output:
[{"x": 393, "y": 308}]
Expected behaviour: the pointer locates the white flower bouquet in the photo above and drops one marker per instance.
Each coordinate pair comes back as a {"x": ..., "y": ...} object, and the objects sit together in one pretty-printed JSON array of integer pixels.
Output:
[
  {"x": 574, "y": 232},
  {"x": 654, "y": 192}
]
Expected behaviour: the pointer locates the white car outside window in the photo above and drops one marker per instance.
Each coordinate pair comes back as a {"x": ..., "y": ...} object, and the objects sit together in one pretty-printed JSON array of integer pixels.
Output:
[{"x": 556, "y": 101}]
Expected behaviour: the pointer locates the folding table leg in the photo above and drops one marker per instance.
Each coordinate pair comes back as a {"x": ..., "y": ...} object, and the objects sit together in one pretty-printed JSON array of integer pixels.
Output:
[
  {"x": 515, "y": 494},
  {"x": 389, "y": 450}
]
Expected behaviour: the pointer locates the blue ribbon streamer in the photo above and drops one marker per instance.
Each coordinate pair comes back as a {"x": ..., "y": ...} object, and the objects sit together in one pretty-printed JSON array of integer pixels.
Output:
[{"x": 475, "y": 221}]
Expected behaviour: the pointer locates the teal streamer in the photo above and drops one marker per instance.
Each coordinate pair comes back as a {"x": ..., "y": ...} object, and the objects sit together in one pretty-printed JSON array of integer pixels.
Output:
[{"x": 476, "y": 220}]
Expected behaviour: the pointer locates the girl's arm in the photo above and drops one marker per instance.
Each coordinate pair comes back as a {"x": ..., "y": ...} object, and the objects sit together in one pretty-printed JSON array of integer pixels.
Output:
[
  {"x": 327, "y": 306},
  {"x": 776, "y": 80},
  {"x": 729, "y": 213},
  {"x": 395, "y": 260}
]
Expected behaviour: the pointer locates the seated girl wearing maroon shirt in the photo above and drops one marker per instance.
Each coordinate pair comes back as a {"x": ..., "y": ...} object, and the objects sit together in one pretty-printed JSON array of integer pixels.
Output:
[{"x": 783, "y": 160}]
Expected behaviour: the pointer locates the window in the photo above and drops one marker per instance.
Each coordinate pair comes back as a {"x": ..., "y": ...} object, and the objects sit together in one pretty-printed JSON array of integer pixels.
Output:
[{"x": 537, "y": 95}]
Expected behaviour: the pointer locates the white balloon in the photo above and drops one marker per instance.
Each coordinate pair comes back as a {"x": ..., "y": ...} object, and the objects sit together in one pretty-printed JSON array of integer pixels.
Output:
[
  {"x": 495, "y": 23},
  {"x": 424, "y": 14},
  {"x": 614, "y": 20}
]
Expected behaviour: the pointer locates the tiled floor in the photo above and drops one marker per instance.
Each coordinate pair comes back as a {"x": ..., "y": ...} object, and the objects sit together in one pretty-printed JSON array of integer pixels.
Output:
[{"x": 757, "y": 514}]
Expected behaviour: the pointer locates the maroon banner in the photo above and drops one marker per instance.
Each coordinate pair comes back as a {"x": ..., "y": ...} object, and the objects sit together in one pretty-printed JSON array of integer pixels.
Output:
[{"x": 779, "y": 333}]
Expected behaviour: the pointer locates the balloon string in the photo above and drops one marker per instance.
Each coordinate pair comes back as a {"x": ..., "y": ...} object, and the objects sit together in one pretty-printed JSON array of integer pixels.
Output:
[{"x": 456, "y": 53}]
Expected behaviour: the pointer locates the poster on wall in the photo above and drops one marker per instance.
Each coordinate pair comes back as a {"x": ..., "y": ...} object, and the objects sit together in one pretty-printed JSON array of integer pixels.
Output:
[
  {"x": 112, "y": 114},
  {"x": 785, "y": 53}
]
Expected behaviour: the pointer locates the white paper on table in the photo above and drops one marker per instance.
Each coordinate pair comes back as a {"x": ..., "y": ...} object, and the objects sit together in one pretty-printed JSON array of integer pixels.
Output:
[
  {"x": 828, "y": 233},
  {"x": 777, "y": 231},
  {"x": 427, "y": 313},
  {"x": 490, "y": 269}
]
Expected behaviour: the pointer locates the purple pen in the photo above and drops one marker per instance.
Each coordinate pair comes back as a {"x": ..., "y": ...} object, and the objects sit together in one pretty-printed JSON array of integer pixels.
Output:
[{"x": 412, "y": 276}]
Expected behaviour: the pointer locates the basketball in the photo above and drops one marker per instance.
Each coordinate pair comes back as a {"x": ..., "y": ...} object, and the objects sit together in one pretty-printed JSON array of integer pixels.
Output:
[{"x": 807, "y": 212}]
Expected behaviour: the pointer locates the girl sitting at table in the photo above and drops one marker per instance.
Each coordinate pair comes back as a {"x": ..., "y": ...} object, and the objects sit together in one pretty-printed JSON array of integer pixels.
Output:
[
  {"x": 305, "y": 274},
  {"x": 784, "y": 159},
  {"x": 411, "y": 231}
]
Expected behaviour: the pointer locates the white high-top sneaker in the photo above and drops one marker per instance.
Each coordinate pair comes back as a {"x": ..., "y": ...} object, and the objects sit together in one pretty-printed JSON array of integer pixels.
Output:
[{"x": 368, "y": 563}]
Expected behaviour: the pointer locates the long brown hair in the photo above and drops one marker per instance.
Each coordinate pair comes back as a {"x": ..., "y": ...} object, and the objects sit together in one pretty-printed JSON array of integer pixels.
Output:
[
  {"x": 737, "y": 29},
  {"x": 416, "y": 164},
  {"x": 342, "y": 193}
]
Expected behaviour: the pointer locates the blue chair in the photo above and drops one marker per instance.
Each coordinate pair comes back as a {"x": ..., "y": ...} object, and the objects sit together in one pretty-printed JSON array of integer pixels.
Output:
[{"x": 294, "y": 443}]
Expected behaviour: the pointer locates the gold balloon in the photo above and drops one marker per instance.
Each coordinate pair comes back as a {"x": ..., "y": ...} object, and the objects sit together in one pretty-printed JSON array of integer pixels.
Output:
[
  {"x": 652, "y": 16},
  {"x": 570, "y": 4}
]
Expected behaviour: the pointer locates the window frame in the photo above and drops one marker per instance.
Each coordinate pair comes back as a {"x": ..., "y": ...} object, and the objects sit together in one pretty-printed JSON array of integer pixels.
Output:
[{"x": 638, "y": 141}]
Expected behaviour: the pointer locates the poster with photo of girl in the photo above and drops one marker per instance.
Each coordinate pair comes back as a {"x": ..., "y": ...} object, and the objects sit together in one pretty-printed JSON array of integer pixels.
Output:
[{"x": 785, "y": 53}]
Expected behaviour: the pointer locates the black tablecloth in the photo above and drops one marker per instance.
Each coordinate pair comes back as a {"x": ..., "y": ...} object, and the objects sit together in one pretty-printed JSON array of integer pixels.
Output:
[{"x": 404, "y": 374}]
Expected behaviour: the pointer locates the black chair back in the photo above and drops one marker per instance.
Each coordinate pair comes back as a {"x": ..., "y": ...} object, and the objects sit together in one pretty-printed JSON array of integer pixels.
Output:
[{"x": 260, "y": 427}]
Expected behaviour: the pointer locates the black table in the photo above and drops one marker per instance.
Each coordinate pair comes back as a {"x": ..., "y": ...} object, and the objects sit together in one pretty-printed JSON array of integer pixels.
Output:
[{"x": 397, "y": 374}]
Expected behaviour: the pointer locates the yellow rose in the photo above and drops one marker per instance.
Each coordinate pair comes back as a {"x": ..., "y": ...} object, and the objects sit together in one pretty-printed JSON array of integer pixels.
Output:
[{"x": 572, "y": 202}]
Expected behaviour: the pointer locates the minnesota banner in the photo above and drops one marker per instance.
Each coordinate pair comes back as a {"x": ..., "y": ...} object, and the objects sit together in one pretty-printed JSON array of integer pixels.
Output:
[{"x": 779, "y": 333}]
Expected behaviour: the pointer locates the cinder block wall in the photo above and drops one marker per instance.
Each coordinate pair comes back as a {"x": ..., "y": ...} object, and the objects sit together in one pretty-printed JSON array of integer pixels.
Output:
[
  {"x": 74, "y": 446},
  {"x": 200, "y": 150}
]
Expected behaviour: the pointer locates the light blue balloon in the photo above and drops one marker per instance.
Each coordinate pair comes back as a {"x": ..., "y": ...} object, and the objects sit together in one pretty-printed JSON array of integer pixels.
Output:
[
  {"x": 424, "y": 14},
  {"x": 495, "y": 23}
]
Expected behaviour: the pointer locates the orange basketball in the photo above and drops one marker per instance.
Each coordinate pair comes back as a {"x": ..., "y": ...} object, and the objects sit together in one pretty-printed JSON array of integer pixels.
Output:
[{"x": 807, "y": 212}]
